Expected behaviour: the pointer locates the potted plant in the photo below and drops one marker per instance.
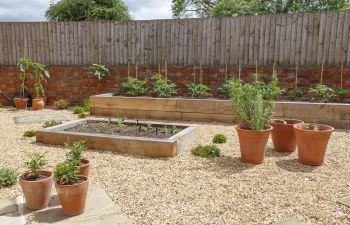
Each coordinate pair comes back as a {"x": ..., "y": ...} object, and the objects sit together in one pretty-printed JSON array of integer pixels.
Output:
[
  {"x": 253, "y": 105},
  {"x": 39, "y": 74},
  {"x": 75, "y": 154},
  {"x": 312, "y": 141},
  {"x": 23, "y": 66},
  {"x": 36, "y": 183},
  {"x": 99, "y": 71},
  {"x": 283, "y": 136},
  {"x": 71, "y": 188}
]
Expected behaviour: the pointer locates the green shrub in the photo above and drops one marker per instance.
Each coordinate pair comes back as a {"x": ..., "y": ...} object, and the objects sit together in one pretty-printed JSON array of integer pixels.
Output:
[
  {"x": 51, "y": 123},
  {"x": 163, "y": 87},
  {"x": 66, "y": 172},
  {"x": 206, "y": 151},
  {"x": 35, "y": 164},
  {"x": 297, "y": 94},
  {"x": 62, "y": 104},
  {"x": 7, "y": 177},
  {"x": 198, "y": 90},
  {"x": 219, "y": 139},
  {"x": 1, "y": 104},
  {"x": 76, "y": 150},
  {"x": 82, "y": 115},
  {"x": 78, "y": 110},
  {"x": 134, "y": 87},
  {"x": 322, "y": 93},
  {"x": 29, "y": 133},
  {"x": 229, "y": 86},
  {"x": 86, "y": 105}
]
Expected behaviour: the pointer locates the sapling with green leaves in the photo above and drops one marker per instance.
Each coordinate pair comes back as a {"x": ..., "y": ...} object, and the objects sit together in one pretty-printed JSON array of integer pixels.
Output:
[
  {"x": 66, "y": 172},
  {"x": 99, "y": 71},
  {"x": 198, "y": 90},
  {"x": 39, "y": 75},
  {"x": 35, "y": 164},
  {"x": 120, "y": 124},
  {"x": 321, "y": 92},
  {"x": 134, "y": 87},
  {"x": 23, "y": 66},
  {"x": 163, "y": 87},
  {"x": 228, "y": 87},
  {"x": 76, "y": 151}
]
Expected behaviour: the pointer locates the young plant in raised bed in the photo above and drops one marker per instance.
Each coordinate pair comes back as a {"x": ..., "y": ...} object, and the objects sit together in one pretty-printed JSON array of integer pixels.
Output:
[
  {"x": 341, "y": 92},
  {"x": 228, "y": 87},
  {"x": 198, "y": 90},
  {"x": 51, "y": 123},
  {"x": 134, "y": 87},
  {"x": 105, "y": 125},
  {"x": 174, "y": 129},
  {"x": 120, "y": 124},
  {"x": 99, "y": 71},
  {"x": 206, "y": 151},
  {"x": 297, "y": 94},
  {"x": 321, "y": 92},
  {"x": 163, "y": 87},
  {"x": 146, "y": 127},
  {"x": 8, "y": 177}
]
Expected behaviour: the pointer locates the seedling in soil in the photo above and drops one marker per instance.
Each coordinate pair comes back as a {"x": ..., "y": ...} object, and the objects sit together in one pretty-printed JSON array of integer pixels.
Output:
[
  {"x": 311, "y": 126},
  {"x": 120, "y": 124},
  {"x": 35, "y": 164},
  {"x": 51, "y": 123},
  {"x": 174, "y": 129}
]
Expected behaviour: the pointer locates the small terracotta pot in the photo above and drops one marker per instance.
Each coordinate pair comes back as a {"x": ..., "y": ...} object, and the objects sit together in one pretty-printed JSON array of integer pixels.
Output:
[
  {"x": 253, "y": 144},
  {"x": 84, "y": 167},
  {"x": 37, "y": 193},
  {"x": 312, "y": 144},
  {"x": 73, "y": 197},
  {"x": 21, "y": 103},
  {"x": 283, "y": 136},
  {"x": 38, "y": 103}
]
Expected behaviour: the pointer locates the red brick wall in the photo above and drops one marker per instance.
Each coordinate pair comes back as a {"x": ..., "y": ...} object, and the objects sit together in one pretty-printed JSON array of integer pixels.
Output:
[{"x": 75, "y": 83}]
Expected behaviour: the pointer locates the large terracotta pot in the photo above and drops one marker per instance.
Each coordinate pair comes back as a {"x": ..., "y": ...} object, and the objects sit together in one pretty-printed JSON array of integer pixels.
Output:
[
  {"x": 21, "y": 103},
  {"x": 38, "y": 103},
  {"x": 312, "y": 144},
  {"x": 253, "y": 144},
  {"x": 73, "y": 197},
  {"x": 283, "y": 136},
  {"x": 37, "y": 192},
  {"x": 84, "y": 167}
]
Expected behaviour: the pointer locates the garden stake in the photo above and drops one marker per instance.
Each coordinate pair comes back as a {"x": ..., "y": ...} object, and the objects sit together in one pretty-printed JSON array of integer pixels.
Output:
[
  {"x": 128, "y": 69},
  {"x": 239, "y": 71},
  {"x": 136, "y": 71},
  {"x": 200, "y": 73},
  {"x": 166, "y": 70},
  {"x": 159, "y": 68},
  {"x": 341, "y": 74},
  {"x": 194, "y": 73},
  {"x": 256, "y": 69},
  {"x": 296, "y": 75},
  {"x": 226, "y": 71},
  {"x": 321, "y": 79}
]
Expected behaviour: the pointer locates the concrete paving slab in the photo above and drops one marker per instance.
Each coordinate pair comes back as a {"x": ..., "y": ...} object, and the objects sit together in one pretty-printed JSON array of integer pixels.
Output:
[
  {"x": 345, "y": 201},
  {"x": 38, "y": 118},
  {"x": 8, "y": 205},
  {"x": 292, "y": 221}
]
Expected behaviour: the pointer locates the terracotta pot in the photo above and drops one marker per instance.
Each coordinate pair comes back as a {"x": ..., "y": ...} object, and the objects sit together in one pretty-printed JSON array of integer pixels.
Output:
[
  {"x": 253, "y": 144},
  {"x": 283, "y": 136},
  {"x": 38, "y": 103},
  {"x": 21, "y": 103},
  {"x": 84, "y": 167},
  {"x": 312, "y": 144},
  {"x": 37, "y": 192},
  {"x": 73, "y": 197}
]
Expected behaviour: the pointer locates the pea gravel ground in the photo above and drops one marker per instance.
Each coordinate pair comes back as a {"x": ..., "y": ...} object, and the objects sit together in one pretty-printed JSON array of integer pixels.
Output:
[{"x": 191, "y": 190}]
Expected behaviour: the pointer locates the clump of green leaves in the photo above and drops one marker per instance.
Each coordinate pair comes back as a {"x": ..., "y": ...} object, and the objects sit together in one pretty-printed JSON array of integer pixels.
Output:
[
  {"x": 219, "y": 139},
  {"x": 82, "y": 115},
  {"x": 321, "y": 92},
  {"x": 146, "y": 127},
  {"x": 1, "y": 104},
  {"x": 35, "y": 164},
  {"x": 228, "y": 87},
  {"x": 62, "y": 104},
  {"x": 7, "y": 177},
  {"x": 297, "y": 94},
  {"x": 76, "y": 151},
  {"x": 310, "y": 126},
  {"x": 163, "y": 87},
  {"x": 51, "y": 123},
  {"x": 206, "y": 151},
  {"x": 29, "y": 133},
  {"x": 198, "y": 90},
  {"x": 78, "y": 110},
  {"x": 86, "y": 105},
  {"x": 120, "y": 124},
  {"x": 99, "y": 71},
  {"x": 134, "y": 87},
  {"x": 66, "y": 172}
]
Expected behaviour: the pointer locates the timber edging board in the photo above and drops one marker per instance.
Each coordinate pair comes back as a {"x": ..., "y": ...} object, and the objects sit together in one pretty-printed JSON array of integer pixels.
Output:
[
  {"x": 212, "y": 110},
  {"x": 143, "y": 146}
]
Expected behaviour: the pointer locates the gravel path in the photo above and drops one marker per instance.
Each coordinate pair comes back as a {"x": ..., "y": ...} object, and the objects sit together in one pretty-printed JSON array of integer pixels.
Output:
[{"x": 191, "y": 190}]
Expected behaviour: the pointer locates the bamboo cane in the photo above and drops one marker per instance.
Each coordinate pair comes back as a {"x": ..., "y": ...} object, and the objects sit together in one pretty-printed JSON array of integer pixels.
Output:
[
  {"x": 200, "y": 73},
  {"x": 166, "y": 70},
  {"x": 136, "y": 72},
  {"x": 341, "y": 74},
  {"x": 296, "y": 75},
  {"x": 321, "y": 78}
]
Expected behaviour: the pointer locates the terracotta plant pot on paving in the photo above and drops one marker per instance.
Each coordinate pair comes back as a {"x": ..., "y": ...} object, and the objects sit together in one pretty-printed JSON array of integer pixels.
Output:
[
  {"x": 21, "y": 103},
  {"x": 38, "y": 103},
  {"x": 253, "y": 144},
  {"x": 84, "y": 167},
  {"x": 36, "y": 192},
  {"x": 312, "y": 144},
  {"x": 73, "y": 197},
  {"x": 283, "y": 136}
]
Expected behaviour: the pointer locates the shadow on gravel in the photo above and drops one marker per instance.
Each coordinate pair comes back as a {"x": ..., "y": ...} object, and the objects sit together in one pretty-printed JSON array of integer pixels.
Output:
[
  {"x": 293, "y": 165},
  {"x": 270, "y": 152}
]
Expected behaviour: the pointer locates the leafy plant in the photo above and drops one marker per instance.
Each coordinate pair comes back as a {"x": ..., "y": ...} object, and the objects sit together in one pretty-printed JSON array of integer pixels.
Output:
[
  {"x": 7, "y": 177},
  {"x": 134, "y": 87},
  {"x": 297, "y": 94},
  {"x": 51, "y": 123},
  {"x": 1, "y": 104},
  {"x": 39, "y": 74},
  {"x": 120, "y": 124},
  {"x": 163, "y": 87},
  {"x": 23, "y": 66},
  {"x": 78, "y": 110},
  {"x": 62, "y": 104},
  {"x": 322, "y": 93},
  {"x": 82, "y": 115},
  {"x": 206, "y": 151},
  {"x": 310, "y": 126},
  {"x": 86, "y": 105},
  {"x": 146, "y": 127},
  {"x": 99, "y": 71},
  {"x": 76, "y": 150},
  {"x": 35, "y": 164},
  {"x": 104, "y": 125},
  {"x": 219, "y": 139},
  {"x": 228, "y": 87},
  {"x": 29, "y": 133},
  {"x": 198, "y": 90},
  {"x": 253, "y": 103},
  {"x": 66, "y": 172},
  {"x": 174, "y": 129}
]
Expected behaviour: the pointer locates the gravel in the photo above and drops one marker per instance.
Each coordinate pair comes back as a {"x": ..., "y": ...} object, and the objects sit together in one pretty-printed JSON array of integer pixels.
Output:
[{"x": 191, "y": 190}]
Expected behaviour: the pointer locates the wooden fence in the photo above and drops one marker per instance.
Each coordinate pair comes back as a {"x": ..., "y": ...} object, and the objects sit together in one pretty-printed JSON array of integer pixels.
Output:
[{"x": 307, "y": 39}]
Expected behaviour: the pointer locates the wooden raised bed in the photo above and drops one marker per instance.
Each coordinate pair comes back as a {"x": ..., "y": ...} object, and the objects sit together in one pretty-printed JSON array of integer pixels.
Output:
[
  {"x": 212, "y": 110},
  {"x": 152, "y": 147}
]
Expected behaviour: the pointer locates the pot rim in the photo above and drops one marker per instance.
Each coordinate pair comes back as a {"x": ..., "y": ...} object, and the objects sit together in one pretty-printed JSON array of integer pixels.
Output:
[
  {"x": 72, "y": 185},
  {"x": 329, "y": 128},
  {"x": 37, "y": 99},
  {"x": 33, "y": 181},
  {"x": 24, "y": 99},
  {"x": 268, "y": 129},
  {"x": 85, "y": 164},
  {"x": 286, "y": 124}
]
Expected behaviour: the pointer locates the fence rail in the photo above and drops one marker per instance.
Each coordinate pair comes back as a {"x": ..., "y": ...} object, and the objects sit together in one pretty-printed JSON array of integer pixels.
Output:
[{"x": 307, "y": 39}]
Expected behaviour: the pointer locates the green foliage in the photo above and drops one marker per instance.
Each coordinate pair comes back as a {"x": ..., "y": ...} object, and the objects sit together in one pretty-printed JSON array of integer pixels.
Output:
[
  {"x": 310, "y": 126},
  {"x": 342, "y": 92},
  {"x": 253, "y": 103},
  {"x": 39, "y": 75},
  {"x": 198, "y": 90},
  {"x": 163, "y": 87},
  {"x": 51, "y": 123},
  {"x": 206, "y": 151},
  {"x": 297, "y": 94},
  {"x": 1, "y": 104},
  {"x": 29, "y": 133},
  {"x": 23, "y": 67},
  {"x": 66, "y": 172},
  {"x": 219, "y": 139},
  {"x": 62, "y": 104},
  {"x": 146, "y": 127},
  {"x": 86, "y": 105},
  {"x": 78, "y": 110},
  {"x": 121, "y": 124},
  {"x": 81, "y": 10},
  {"x": 134, "y": 87},
  {"x": 35, "y": 164},
  {"x": 99, "y": 71},
  {"x": 228, "y": 87},
  {"x": 82, "y": 115},
  {"x": 321, "y": 92},
  {"x": 76, "y": 151},
  {"x": 7, "y": 177}
]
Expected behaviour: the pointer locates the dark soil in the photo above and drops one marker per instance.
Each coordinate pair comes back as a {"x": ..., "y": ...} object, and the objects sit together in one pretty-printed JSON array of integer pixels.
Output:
[
  {"x": 130, "y": 129},
  {"x": 33, "y": 178}
]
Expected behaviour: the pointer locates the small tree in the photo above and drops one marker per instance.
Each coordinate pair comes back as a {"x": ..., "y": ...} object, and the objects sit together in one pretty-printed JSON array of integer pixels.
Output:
[
  {"x": 35, "y": 164},
  {"x": 99, "y": 71},
  {"x": 39, "y": 74},
  {"x": 23, "y": 66}
]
